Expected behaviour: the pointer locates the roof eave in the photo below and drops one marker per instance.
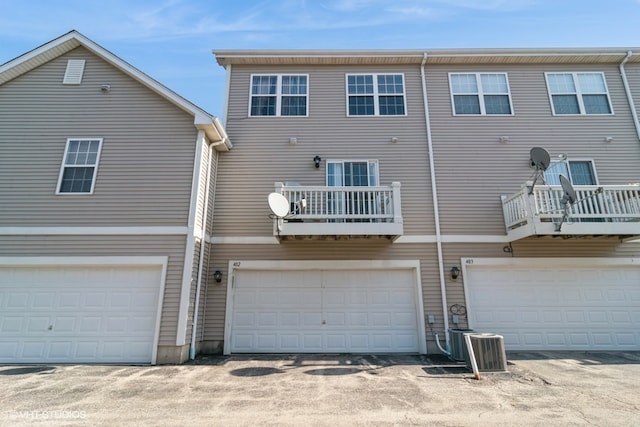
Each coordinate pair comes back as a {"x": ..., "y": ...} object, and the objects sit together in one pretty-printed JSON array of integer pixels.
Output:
[
  {"x": 434, "y": 56},
  {"x": 74, "y": 39}
]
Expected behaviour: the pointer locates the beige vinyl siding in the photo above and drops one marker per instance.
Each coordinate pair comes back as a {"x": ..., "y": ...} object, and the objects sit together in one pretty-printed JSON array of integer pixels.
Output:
[
  {"x": 474, "y": 169},
  {"x": 207, "y": 277},
  {"x": 193, "y": 289},
  {"x": 145, "y": 170},
  {"x": 633, "y": 77},
  {"x": 314, "y": 250},
  {"x": 212, "y": 191},
  {"x": 69, "y": 246},
  {"x": 262, "y": 154}
]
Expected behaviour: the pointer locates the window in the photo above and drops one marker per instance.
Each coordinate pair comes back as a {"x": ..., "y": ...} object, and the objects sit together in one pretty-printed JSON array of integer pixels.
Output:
[
  {"x": 375, "y": 95},
  {"x": 579, "y": 172},
  {"x": 79, "y": 166},
  {"x": 480, "y": 93},
  {"x": 279, "y": 95},
  {"x": 578, "y": 93}
]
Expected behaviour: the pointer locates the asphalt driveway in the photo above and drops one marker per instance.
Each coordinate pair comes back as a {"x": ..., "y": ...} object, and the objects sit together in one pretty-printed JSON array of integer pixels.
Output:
[{"x": 547, "y": 388}]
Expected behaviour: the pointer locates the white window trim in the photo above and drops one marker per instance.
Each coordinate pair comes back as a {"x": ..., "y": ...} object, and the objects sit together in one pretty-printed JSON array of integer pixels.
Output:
[
  {"x": 64, "y": 159},
  {"x": 343, "y": 161},
  {"x": 481, "y": 93},
  {"x": 567, "y": 161},
  {"x": 578, "y": 93},
  {"x": 278, "y": 93},
  {"x": 375, "y": 94}
]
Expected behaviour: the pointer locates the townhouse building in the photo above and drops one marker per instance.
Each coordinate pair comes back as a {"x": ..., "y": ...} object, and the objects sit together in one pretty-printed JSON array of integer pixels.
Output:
[{"x": 419, "y": 191}]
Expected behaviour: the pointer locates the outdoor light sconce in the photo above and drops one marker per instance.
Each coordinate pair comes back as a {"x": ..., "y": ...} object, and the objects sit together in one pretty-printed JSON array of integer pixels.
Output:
[
  {"x": 217, "y": 276},
  {"x": 317, "y": 161},
  {"x": 455, "y": 273}
]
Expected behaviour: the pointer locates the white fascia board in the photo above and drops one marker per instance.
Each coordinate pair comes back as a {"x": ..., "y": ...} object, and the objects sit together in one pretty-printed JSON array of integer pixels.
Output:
[
  {"x": 388, "y": 264},
  {"x": 83, "y": 260},
  {"x": 407, "y": 239},
  {"x": 94, "y": 231},
  {"x": 550, "y": 262}
]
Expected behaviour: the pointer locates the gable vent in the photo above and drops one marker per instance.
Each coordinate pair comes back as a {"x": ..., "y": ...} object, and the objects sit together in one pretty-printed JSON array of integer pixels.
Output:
[{"x": 73, "y": 74}]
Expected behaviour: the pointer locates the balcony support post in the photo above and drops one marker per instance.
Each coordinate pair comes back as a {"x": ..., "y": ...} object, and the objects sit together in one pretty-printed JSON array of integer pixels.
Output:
[{"x": 397, "y": 207}]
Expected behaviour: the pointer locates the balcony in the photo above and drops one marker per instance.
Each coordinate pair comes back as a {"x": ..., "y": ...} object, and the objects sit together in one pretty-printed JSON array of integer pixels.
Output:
[
  {"x": 607, "y": 210},
  {"x": 340, "y": 212}
]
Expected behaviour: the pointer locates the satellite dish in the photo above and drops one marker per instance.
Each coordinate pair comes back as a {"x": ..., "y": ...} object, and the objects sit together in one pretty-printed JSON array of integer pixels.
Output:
[
  {"x": 278, "y": 204},
  {"x": 568, "y": 199},
  {"x": 540, "y": 158},
  {"x": 569, "y": 193}
]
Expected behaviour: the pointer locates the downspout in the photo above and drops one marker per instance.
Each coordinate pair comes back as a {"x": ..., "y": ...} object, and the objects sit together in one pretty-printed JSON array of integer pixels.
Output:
[
  {"x": 434, "y": 193},
  {"x": 210, "y": 240},
  {"x": 205, "y": 215},
  {"x": 627, "y": 89}
]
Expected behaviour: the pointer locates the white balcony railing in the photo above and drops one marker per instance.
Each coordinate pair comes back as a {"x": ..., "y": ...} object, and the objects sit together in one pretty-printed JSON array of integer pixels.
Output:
[
  {"x": 341, "y": 211},
  {"x": 599, "y": 210}
]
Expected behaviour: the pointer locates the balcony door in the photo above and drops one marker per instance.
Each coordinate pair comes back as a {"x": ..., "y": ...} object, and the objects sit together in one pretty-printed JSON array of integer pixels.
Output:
[
  {"x": 352, "y": 202},
  {"x": 579, "y": 172}
]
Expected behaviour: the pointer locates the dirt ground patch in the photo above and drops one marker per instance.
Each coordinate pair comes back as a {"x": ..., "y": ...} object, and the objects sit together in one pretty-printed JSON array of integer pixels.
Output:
[{"x": 542, "y": 388}]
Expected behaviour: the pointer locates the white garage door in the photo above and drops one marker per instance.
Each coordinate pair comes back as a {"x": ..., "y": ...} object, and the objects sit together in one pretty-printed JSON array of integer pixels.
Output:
[
  {"x": 578, "y": 307},
  {"x": 69, "y": 314},
  {"x": 323, "y": 311}
]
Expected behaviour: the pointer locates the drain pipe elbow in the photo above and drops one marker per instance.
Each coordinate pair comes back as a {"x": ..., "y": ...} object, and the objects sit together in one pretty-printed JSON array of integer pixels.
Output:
[{"x": 447, "y": 352}]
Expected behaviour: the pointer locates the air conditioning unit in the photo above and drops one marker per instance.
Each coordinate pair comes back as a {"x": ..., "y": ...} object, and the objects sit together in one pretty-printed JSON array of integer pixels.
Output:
[
  {"x": 458, "y": 345},
  {"x": 489, "y": 352}
]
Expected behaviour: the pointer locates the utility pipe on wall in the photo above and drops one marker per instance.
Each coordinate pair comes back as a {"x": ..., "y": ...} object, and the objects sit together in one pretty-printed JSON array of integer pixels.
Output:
[
  {"x": 434, "y": 193},
  {"x": 627, "y": 89}
]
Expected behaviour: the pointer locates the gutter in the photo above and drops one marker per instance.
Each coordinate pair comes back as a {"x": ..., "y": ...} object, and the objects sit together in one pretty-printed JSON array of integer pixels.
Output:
[
  {"x": 436, "y": 210},
  {"x": 627, "y": 89}
]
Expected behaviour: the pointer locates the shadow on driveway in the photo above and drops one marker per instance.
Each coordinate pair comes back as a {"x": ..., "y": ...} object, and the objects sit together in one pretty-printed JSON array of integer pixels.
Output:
[
  {"x": 27, "y": 370},
  {"x": 581, "y": 357}
]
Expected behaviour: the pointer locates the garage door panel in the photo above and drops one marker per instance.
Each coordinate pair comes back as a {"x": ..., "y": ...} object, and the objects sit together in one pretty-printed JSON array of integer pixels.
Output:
[
  {"x": 332, "y": 311},
  {"x": 569, "y": 308},
  {"x": 109, "y": 314}
]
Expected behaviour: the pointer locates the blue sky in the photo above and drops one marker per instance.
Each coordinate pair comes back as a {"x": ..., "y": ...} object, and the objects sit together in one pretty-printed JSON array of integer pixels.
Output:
[{"x": 172, "y": 40}]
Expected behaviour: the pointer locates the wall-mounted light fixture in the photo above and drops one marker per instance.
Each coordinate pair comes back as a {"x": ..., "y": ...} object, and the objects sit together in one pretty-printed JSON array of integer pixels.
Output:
[
  {"x": 316, "y": 161},
  {"x": 504, "y": 139},
  {"x": 608, "y": 139},
  {"x": 293, "y": 141},
  {"x": 105, "y": 88},
  {"x": 394, "y": 140},
  {"x": 454, "y": 273},
  {"x": 217, "y": 276}
]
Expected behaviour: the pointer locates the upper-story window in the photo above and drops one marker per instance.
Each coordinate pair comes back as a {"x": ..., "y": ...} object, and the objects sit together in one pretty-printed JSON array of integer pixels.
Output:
[
  {"x": 480, "y": 93},
  {"x": 279, "y": 95},
  {"x": 79, "y": 166},
  {"x": 578, "y": 93},
  {"x": 375, "y": 95}
]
